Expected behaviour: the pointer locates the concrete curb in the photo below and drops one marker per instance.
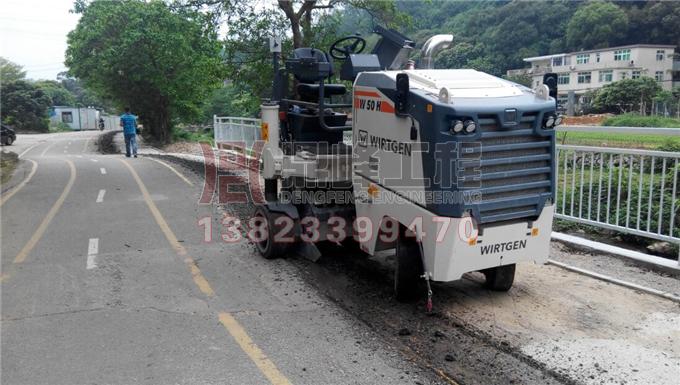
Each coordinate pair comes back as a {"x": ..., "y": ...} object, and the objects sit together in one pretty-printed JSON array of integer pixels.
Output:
[{"x": 667, "y": 265}]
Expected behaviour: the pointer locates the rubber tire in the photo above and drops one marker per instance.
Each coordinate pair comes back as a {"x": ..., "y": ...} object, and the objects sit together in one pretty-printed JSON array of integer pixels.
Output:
[
  {"x": 9, "y": 141},
  {"x": 500, "y": 278},
  {"x": 267, "y": 248},
  {"x": 408, "y": 284}
]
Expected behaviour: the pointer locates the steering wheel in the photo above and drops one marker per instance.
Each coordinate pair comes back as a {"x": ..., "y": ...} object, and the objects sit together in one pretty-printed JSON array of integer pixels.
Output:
[{"x": 355, "y": 44}]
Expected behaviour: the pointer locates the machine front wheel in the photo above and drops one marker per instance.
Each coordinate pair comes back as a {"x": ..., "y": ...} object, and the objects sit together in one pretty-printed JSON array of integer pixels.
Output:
[
  {"x": 271, "y": 243},
  {"x": 408, "y": 269},
  {"x": 500, "y": 278}
]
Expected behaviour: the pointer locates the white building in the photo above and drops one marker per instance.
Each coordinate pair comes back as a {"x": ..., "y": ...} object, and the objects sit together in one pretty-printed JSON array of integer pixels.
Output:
[
  {"x": 78, "y": 118},
  {"x": 581, "y": 71},
  {"x": 83, "y": 118}
]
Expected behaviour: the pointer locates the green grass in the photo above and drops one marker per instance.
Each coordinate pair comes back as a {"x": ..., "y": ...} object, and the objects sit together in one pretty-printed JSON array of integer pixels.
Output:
[
  {"x": 604, "y": 139},
  {"x": 641, "y": 141},
  {"x": 634, "y": 120}
]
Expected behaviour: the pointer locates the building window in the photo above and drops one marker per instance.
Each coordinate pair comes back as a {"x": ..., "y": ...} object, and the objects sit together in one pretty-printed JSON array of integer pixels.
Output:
[
  {"x": 622, "y": 54},
  {"x": 563, "y": 79},
  {"x": 623, "y": 75},
  {"x": 582, "y": 59},
  {"x": 658, "y": 75},
  {"x": 597, "y": 57},
  {"x": 636, "y": 75},
  {"x": 557, "y": 61},
  {"x": 583, "y": 77},
  {"x": 67, "y": 117},
  {"x": 606, "y": 76},
  {"x": 660, "y": 55},
  {"x": 567, "y": 60}
]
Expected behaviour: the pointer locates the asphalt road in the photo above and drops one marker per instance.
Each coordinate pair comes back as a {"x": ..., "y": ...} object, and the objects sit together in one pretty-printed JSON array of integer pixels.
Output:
[{"x": 107, "y": 278}]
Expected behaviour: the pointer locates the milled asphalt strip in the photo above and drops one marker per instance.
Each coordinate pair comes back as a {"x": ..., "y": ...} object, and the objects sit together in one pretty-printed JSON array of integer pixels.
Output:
[
  {"x": 21, "y": 185},
  {"x": 50, "y": 215},
  {"x": 92, "y": 251},
  {"x": 263, "y": 363},
  {"x": 616, "y": 281}
]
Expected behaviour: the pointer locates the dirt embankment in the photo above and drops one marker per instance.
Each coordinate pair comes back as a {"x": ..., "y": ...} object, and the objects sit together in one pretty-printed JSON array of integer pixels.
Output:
[
  {"x": 586, "y": 120},
  {"x": 106, "y": 143}
]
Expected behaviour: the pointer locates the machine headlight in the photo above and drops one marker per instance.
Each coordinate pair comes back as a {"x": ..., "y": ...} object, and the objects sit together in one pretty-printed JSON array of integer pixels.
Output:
[
  {"x": 457, "y": 126},
  {"x": 549, "y": 122},
  {"x": 558, "y": 120},
  {"x": 470, "y": 126}
]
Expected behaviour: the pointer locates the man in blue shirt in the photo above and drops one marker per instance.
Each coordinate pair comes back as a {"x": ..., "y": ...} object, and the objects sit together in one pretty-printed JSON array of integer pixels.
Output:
[{"x": 129, "y": 124}]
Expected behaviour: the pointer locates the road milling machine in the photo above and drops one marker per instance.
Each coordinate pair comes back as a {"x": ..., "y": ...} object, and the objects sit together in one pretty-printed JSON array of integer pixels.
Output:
[{"x": 453, "y": 168}]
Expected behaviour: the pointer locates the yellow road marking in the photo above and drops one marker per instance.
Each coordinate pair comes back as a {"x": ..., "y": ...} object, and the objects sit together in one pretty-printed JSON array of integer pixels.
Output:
[
  {"x": 265, "y": 365},
  {"x": 53, "y": 211},
  {"x": 21, "y": 185},
  {"x": 258, "y": 357},
  {"x": 173, "y": 170},
  {"x": 198, "y": 277}
]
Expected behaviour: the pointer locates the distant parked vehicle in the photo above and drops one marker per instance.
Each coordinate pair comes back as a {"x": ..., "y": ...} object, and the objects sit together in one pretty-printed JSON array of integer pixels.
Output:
[{"x": 8, "y": 135}]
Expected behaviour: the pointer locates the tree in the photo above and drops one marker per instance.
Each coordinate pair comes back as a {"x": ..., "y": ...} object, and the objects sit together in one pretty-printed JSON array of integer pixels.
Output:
[
  {"x": 628, "y": 95},
  {"x": 162, "y": 62},
  {"x": 522, "y": 79},
  {"x": 10, "y": 71},
  {"x": 24, "y": 105},
  {"x": 59, "y": 95},
  {"x": 299, "y": 23},
  {"x": 597, "y": 25},
  {"x": 657, "y": 21},
  {"x": 230, "y": 101}
]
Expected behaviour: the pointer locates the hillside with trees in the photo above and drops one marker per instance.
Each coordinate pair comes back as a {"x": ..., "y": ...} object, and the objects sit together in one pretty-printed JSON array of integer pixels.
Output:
[{"x": 183, "y": 71}]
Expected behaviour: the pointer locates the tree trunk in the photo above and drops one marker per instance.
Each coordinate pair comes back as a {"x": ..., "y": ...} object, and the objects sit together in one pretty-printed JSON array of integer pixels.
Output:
[{"x": 295, "y": 17}]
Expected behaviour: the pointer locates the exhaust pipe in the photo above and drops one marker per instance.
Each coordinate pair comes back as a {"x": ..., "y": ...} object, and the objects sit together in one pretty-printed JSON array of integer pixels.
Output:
[{"x": 432, "y": 47}]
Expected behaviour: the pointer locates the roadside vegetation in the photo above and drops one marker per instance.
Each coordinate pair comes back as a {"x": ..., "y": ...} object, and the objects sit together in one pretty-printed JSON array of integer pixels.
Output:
[
  {"x": 198, "y": 135},
  {"x": 636, "y": 120},
  {"x": 605, "y": 139},
  {"x": 8, "y": 162}
]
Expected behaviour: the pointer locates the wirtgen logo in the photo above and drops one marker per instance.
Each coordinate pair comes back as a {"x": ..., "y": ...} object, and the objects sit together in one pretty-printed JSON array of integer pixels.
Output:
[{"x": 363, "y": 138}]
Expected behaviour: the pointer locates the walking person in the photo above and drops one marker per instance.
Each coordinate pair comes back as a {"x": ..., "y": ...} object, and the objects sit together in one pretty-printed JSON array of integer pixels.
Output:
[{"x": 129, "y": 124}]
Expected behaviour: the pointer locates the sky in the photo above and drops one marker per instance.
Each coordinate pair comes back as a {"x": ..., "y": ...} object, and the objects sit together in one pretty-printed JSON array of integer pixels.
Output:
[{"x": 33, "y": 34}]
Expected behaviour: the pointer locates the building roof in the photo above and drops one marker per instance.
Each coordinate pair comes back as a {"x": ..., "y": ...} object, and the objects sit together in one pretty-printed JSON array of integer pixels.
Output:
[{"x": 544, "y": 57}]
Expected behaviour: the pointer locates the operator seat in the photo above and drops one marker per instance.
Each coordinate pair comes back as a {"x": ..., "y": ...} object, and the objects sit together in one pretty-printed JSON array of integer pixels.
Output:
[
  {"x": 310, "y": 66},
  {"x": 315, "y": 66}
]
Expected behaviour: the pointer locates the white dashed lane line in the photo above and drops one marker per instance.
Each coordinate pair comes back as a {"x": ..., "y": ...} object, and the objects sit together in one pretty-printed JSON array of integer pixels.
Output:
[
  {"x": 100, "y": 196},
  {"x": 103, "y": 171},
  {"x": 92, "y": 251}
]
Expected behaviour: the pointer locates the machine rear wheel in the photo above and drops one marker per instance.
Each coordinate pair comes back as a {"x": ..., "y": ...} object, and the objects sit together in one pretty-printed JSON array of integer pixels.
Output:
[
  {"x": 408, "y": 269},
  {"x": 500, "y": 278},
  {"x": 270, "y": 244}
]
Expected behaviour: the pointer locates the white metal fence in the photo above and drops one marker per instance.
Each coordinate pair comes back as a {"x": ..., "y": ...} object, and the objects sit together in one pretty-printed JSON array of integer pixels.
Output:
[
  {"x": 628, "y": 190},
  {"x": 235, "y": 129}
]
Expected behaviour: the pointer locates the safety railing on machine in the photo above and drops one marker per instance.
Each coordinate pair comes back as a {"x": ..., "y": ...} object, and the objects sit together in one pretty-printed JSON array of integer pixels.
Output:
[{"x": 633, "y": 191}]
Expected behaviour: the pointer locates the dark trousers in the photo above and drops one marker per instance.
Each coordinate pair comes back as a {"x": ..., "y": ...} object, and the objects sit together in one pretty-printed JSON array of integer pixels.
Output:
[{"x": 130, "y": 144}]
